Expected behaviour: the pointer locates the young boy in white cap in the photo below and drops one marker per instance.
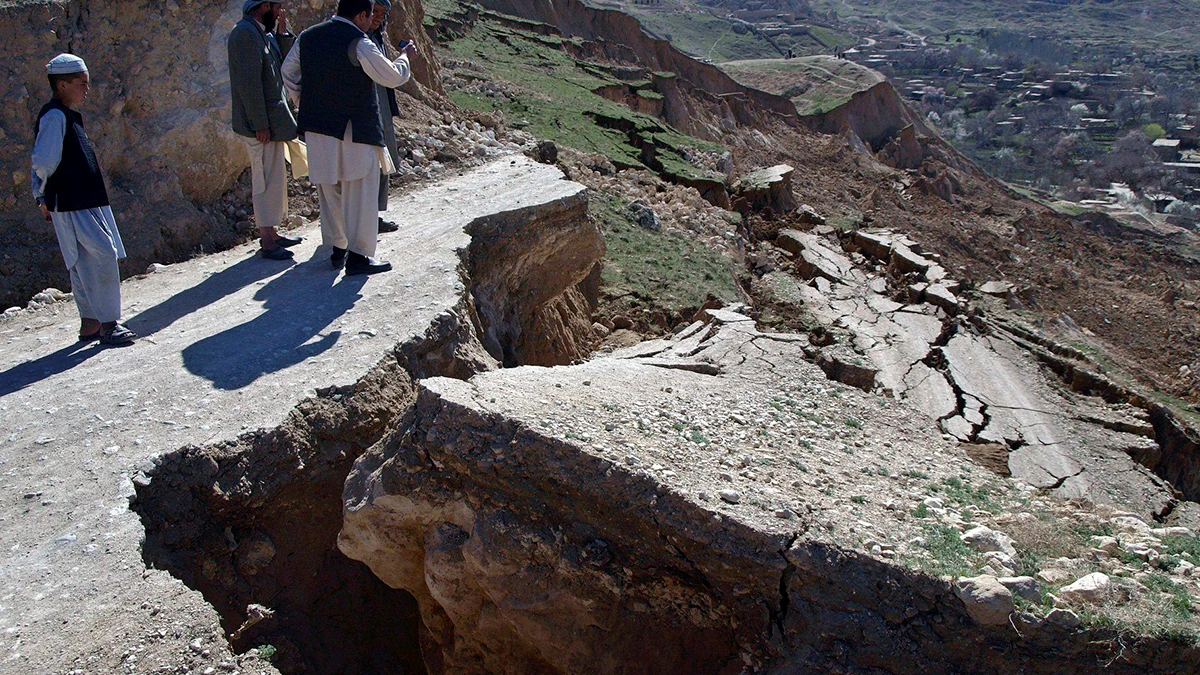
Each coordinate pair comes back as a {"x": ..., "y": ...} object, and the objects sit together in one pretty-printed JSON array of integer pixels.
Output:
[{"x": 70, "y": 191}]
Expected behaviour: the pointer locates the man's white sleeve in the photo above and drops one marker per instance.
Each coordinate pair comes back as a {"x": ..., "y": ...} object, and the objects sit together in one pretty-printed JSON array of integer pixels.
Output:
[
  {"x": 47, "y": 150},
  {"x": 390, "y": 74},
  {"x": 291, "y": 72}
]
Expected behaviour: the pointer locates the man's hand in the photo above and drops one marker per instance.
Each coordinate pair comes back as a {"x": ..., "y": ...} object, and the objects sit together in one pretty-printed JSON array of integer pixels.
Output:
[
  {"x": 410, "y": 50},
  {"x": 263, "y": 135},
  {"x": 281, "y": 20},
  {"x": 45, "y": 211}
]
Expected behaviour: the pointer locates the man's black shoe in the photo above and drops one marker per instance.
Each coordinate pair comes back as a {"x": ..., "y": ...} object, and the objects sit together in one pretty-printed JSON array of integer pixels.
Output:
[
  {"x": 338, "y": 258},
  {"x": 388, "y": 226},
  {"x": 361, "y": 264},
  {"x": 276, "y": 254},
  {"x": 287, "y": 242}
]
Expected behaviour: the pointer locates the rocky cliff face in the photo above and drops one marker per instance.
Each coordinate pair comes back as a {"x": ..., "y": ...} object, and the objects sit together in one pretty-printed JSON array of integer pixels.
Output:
[{"x": 158, "y": 114}]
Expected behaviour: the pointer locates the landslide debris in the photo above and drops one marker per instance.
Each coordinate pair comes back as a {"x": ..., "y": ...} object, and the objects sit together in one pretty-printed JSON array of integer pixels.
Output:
[{"x": 713, "y": 488}]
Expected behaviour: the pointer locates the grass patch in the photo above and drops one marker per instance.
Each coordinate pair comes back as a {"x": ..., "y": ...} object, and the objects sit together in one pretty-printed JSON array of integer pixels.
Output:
[
  {"x": 658, "y": 268},
  {"x": 551, "y": 95},
  {"x": 1182, "y": 546},
  {"x": 958, "y": 492},
  {"x": 949, "y": 555}
]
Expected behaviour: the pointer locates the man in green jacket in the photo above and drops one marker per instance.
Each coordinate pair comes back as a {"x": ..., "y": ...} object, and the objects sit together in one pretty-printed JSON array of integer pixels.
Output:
[{"x": 257, "y": 46}]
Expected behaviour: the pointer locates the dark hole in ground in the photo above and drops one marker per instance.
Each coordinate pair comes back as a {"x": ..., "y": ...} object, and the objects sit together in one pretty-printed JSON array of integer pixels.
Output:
[{"x": 327, "y": 614}]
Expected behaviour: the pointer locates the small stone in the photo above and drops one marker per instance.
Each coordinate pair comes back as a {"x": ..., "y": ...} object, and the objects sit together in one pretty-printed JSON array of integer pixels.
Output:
[
  {"x": 785, "y": 514},
  {"x": 1093, "y": 588},
  {"x": 985, "y": 598},
  {"x": 1023, "y": 587},
  {"x": 984, "y": 539},
  {"x": 1063, "y": 617},
  {"x": 730, "y": 496},
  {"x": 1107, "y": 544}
]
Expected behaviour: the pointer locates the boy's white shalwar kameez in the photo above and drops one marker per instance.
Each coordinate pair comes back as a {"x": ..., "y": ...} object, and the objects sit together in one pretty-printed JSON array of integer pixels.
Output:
[
  {"x": 88, "y": 238},
  {"x": 346, "y": 173}
]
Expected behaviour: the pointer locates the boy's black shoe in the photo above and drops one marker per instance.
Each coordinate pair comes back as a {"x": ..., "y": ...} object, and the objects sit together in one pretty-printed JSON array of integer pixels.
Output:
[
  {"x": 388, "y": 226},
  {"x": 287, "y": 242},
  {"x": 338, "y": 258}
]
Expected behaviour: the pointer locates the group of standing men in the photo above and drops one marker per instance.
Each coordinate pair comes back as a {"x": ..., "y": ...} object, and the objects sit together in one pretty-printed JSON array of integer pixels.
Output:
[{"x": 345, "y": 86}]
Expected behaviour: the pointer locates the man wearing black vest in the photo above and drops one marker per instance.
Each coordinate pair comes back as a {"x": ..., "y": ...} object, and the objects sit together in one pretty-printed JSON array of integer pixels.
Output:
[
  {"x": 70, "y": 192},
  {"x": 333, "y": 70}
]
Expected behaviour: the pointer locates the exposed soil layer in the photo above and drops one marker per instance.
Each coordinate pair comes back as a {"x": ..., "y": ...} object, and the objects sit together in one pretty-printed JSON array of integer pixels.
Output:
[{"x": 254, "y": 522}]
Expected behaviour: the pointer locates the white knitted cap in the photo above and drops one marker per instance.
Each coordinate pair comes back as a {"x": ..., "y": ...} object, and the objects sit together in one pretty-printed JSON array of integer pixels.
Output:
[{"x": 66, "y": 64}]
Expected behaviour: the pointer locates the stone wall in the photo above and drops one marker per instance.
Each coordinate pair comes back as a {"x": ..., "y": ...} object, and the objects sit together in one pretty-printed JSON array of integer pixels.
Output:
[{"x": 158, "y": 114}]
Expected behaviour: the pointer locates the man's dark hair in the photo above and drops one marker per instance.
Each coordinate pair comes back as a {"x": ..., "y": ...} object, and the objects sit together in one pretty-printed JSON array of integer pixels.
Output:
[
  {"x": 349, "y": 9},
  {"x": 55, "y": 79}
]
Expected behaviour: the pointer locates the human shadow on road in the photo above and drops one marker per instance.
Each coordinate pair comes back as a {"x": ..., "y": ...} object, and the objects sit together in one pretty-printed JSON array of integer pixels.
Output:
[
  {"x": 24, "y": 374},
  {"x": 299, "y": 304},
  {"x": 216, "y": 286}
]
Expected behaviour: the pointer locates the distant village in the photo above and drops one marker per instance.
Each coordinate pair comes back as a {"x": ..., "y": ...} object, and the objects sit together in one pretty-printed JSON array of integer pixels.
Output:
[{"x": 1051, "y": 129}]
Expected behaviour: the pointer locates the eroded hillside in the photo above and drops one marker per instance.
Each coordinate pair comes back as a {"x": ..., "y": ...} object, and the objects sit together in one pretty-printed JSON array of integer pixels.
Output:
[{"x": 789, "y": 392}]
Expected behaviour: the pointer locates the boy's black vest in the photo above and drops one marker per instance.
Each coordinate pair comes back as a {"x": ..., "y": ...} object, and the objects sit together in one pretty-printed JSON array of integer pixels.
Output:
[
  {"x": 76, "y": 184},
  {"x": 334, "y": 90}
]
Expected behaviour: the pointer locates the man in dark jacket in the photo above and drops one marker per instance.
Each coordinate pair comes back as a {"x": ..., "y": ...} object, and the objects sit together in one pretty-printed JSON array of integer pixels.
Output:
[
  {"x": 257, "y": 46},
  {"x": 388, "y": 108}
]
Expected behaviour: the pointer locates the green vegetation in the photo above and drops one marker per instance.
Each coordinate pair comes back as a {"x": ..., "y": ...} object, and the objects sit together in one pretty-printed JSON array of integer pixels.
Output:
[
  {"x": 552, "y": 95},
  {"x": 1154, "y": 131},
  {"x": 958, "y": 492},
  {"x": 950, "y": 556},
  {"x": 265, "y": 652},
  {"x": 663, "y": 269},
  {"x": 1182, "y": 546}
]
